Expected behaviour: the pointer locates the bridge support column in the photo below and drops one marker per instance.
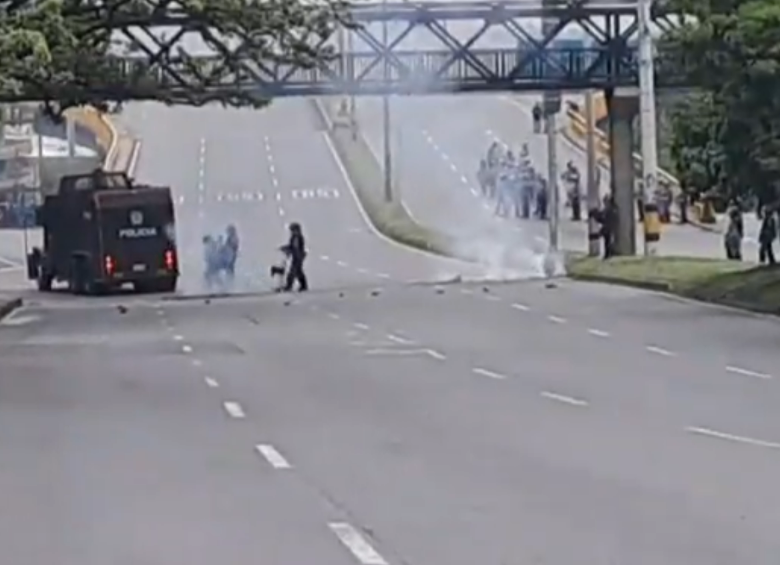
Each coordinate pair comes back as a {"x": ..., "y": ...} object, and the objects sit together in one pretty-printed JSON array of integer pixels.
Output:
[{"x": 622, "y": 107}]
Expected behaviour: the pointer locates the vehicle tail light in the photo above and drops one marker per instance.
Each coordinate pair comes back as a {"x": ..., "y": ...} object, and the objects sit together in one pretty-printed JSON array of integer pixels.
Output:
[
  {"x": 109, "y": 263},
  {"x": 170, "y": 260}
]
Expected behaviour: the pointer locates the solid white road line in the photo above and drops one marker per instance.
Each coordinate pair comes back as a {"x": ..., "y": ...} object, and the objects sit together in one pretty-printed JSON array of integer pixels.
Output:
[
  {"x": 564, "y": 399},
  {"x": 659, "y": 351},
  {"x": 732, "y": 437},
  {"x": 747, "y": 372},
  {"x": 486, "y": 373},
  {"x": 356, "y": 544},
  {"x": 234, "y": 410},
  {"x": 273, "y": 457}
]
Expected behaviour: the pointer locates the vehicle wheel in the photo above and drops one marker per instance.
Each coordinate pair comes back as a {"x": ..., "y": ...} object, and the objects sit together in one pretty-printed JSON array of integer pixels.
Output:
[{"x": 79, "y": 278}]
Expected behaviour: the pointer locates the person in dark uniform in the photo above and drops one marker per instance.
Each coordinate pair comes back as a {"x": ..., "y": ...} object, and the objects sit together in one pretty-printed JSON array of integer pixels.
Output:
[
  {"x": 296, "y": 251},
  {"x": 766, "y": 236}
]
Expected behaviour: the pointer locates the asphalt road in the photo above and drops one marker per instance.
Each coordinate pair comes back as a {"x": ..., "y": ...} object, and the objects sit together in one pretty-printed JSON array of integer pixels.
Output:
[
  {"x": 260, "y": 171},
  {"x": 419, "y": 424}
]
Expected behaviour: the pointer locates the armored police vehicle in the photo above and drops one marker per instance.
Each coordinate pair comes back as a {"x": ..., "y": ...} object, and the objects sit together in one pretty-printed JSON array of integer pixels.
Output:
[{"x": 101, "y": 232}]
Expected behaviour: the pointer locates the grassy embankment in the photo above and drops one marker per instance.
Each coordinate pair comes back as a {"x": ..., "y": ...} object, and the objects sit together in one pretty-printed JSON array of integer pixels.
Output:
[{"x": 709, "y": 280}]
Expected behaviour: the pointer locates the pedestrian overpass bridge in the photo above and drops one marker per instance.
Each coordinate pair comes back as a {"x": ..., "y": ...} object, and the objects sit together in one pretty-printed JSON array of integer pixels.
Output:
[{"x": 407, "y": 48}]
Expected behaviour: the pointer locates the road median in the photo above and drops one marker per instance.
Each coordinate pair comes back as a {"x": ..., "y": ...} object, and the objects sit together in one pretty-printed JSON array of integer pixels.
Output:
[
  {"x": 716, "y": 281},
  {"x": 389, "y": 218}
]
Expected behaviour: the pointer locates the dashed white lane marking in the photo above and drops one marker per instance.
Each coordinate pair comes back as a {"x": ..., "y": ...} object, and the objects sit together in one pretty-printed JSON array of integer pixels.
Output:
[
  {"x": 197, "y": 363},
  {"x": 746, "y": 372},
  {"x": 383, "y": 275},
  {"x": 273, "y": 457},
  {"x": 234, "y": 410},
  {"x": 435, "y": 354},
  {"x": 598, "y": 333},
  {"x": 278, "y": 195},
  {"x": 492, "y": 298},
  {"x": 399, "y": 339},
  {"x": 360, "y": 326},
  {"x": 281, "y": 211},
  {"x": 186, "y": 349},
  {"x": 362, "y": 271},
  {"x": 489, "y": 374},
  {"x": 356, "y": 544},
  {"x": 341, "y": 263},
  {"x": 466, "y": 291},
  {"x": 521, "y": 307},
  {"x": 732, "y": 437},
  {"x": 178, "y": 338},
  {"x": 406, "y": 352},
  {"x": 659, "y": 351},
  {"x": 556, "y": 319},
  {"x": 333, "y": 316},
  {"x": 211, "y": 383},
  {"x": 324, "y": 257},
  {"x": 564, "y": 399}
]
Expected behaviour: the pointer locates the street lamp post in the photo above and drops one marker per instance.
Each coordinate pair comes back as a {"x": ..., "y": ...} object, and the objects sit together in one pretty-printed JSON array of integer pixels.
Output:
[
  {"x": 387, "y": 153},
  {"x": 647, "y": 117}
]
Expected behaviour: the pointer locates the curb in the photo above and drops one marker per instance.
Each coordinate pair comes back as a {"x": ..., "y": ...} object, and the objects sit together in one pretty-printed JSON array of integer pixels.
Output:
[
  {"x": 666, "y": 288},
  {"x": 8, "y": 307},
  {"x": 643, "y": 285}
]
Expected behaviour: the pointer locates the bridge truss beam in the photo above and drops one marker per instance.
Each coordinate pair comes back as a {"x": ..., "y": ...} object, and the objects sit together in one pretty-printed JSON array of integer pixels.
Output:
[{"x": 220, "y": 67}]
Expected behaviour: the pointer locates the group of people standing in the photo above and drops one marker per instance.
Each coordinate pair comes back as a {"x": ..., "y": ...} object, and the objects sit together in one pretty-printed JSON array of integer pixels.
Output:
[{"x": 513, "y": 183}]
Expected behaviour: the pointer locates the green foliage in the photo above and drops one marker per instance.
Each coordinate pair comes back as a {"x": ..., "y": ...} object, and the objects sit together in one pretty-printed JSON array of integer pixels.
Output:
[
  {"x": 728, "y": 137},
  {"x": 64, "y": 52}
]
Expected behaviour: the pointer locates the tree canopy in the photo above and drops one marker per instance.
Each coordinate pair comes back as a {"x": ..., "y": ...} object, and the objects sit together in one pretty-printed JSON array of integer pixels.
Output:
[
  {"x": 67, "y": 53},
  {"x": 727, "y": 136}
]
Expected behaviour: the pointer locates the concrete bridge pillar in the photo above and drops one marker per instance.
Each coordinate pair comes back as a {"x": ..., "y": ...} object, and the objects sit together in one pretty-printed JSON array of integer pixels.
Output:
[{"x": 623, "y": 106}]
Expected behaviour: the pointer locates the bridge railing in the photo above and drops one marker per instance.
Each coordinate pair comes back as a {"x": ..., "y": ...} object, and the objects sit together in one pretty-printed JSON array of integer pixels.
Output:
[{"x": 412, "y": 72}]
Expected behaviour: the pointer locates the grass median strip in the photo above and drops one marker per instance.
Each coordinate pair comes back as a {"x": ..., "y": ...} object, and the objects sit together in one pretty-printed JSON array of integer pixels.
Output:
[
  {"x": 710, "y": 280},
  {"x": 390, "y": 218}
]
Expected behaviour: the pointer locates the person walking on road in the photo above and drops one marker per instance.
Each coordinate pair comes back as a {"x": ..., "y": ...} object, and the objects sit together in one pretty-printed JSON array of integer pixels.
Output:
[{"x": 296, "y": 250}]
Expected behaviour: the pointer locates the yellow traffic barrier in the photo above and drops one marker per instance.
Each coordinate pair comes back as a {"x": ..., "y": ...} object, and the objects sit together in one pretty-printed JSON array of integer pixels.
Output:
[
  {"x": 652, "y": 223},
  {"x": 704, "y": 212}
]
